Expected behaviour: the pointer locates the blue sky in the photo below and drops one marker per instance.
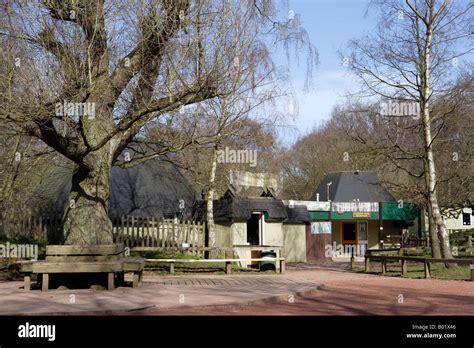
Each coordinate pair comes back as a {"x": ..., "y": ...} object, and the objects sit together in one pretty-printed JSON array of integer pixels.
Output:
[{"x": 330, "y": 25}]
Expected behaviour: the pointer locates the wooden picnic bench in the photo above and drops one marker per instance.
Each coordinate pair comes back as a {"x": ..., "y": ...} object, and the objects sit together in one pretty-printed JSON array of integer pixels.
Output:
[
  {"x": 228, "y": 262},
  {"x": 84, "y": 259}
]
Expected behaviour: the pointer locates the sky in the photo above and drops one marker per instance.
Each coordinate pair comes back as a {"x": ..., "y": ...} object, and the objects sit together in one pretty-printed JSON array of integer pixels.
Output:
[{"x": 330, "y": 25}]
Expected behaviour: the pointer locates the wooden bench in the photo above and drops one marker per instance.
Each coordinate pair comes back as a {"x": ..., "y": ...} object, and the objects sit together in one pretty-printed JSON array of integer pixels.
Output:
[
  {"x": 84, "y": 259},
  {"x": 228, "y": 262}
]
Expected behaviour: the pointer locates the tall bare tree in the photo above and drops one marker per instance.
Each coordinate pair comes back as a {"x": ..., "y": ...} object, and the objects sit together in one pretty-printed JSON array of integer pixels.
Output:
[
  {"x": 100, "y": 72},
  {"x": 411, "y": 58}
]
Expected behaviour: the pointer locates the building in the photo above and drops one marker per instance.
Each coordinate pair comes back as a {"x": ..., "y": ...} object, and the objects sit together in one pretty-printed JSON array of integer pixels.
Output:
[
  {"x": 253, "y": 220},
  {"x": 355, "y": 209},
  {"x": 456, "y": 220},
  {"x": 359, "y": 213}
]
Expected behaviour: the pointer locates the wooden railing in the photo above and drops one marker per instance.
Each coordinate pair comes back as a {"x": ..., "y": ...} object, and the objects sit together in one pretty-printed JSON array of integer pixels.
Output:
[
  {"x": 403, "y": 261},
  {"x": 132, "y": 231},
  {"x": 24, "y": 226},
  {"x": 158, "y": 233}
]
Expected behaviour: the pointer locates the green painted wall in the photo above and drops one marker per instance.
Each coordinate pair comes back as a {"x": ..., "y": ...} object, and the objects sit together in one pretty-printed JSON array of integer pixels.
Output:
[
  {"x": 348, "y": 216},
  {"x": 319, "y": 215}
]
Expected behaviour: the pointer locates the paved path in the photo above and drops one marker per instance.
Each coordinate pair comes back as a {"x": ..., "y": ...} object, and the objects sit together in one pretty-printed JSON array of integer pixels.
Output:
[
  {"x": 155, "y": 292},
  {"x": 347, "y": 293},
  {"x": 307, "y": 290}
]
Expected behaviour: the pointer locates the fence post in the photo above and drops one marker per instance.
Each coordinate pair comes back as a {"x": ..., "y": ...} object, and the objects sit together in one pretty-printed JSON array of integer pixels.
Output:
[
  {"x": 427, "y": 269},
  {"x": 384, "y": 266},
  {"x": 352, "y": 259},
  {"x": 367, "y": 263},
  {"x": 404, "y": 267}
]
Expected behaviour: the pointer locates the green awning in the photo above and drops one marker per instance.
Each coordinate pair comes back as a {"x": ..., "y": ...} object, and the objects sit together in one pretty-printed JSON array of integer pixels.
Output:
[
  {"x": 319, "y": 215},
  {"x": 348, "y": 215},
  {"x": 398, "y": 211}
]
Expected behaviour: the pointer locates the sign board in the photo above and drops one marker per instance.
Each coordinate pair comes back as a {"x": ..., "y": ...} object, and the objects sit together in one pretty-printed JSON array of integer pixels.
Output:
[
  {"x": 361, "y": 215},
  {"x": 321, "y": 227}
]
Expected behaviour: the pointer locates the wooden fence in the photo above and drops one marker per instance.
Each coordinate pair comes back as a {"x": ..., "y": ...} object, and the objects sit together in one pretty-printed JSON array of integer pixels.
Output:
[
  {"x": 48, "y": 228},
  {"x": 149, "y": 232},
  {"x": 158, "y": 233},
  {"x": 403, "y": 262}
]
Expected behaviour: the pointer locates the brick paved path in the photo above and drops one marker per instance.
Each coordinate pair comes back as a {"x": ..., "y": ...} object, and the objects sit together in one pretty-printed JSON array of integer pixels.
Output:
[
  {"x": 155, "y": 292},
  {"x": 315, "y": 290}
]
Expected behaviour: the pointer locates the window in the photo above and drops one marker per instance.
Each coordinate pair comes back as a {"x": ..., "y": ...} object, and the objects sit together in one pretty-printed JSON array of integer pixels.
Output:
[
  {"x": 466, "y": 219},
  {"x": 321, "y": 227},
  {"x": 362, "y": 231}
]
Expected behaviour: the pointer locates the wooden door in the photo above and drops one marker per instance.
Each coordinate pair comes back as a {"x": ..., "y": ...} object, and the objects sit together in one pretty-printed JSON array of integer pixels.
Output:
[{"x": 349, "y": 232}]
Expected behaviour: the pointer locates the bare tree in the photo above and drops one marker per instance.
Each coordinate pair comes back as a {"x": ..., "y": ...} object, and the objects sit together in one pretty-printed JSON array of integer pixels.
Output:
[
  {"x": 410, "y": 59},
  {"x": 100, "y": 72}
]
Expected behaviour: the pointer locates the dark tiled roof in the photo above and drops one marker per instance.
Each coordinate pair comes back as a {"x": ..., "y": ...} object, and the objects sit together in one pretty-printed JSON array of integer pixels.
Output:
[
  {"x": 233, "y": 208},
  {"x": 348, "y": 186},
  {"x": 240, "y": 209},
  {"x": 299, "y": 213}
]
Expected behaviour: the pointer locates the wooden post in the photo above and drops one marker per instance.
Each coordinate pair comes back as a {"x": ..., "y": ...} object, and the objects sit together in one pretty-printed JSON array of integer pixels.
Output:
[
  {"x": 427, "y": 269},
  {"x": 404, "y": 267},
  {"x": 172, "y": 267},
  {"x": 27, "y": 282},
  {"x": 136, "y": 279},
  {"x": 45, "y": 282},
  {"x": 352, "y": 259},
  {"x": 228, "y": 267},
  {"x": 367, "y": 263},
  {"x": 110, "y": 281},
  {"x": 384, "y": 266},
  {"x": 282, "y": 266}
]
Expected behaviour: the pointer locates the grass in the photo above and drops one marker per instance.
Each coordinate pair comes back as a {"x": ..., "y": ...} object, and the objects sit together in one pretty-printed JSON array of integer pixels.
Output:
[
  {"x": 416, "y": 271},
  {"x": 182, "y": 268}
]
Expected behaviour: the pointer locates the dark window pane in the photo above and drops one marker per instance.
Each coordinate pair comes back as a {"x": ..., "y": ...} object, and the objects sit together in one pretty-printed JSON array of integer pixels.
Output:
[{"x": 466, "y": 219}]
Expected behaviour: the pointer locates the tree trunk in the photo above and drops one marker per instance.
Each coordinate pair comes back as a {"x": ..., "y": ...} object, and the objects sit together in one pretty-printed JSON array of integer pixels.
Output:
[
  {"x": 429, "y": 163},
  {"x": 210, "y": 201},
  {"x": 435, "y": 249},
  {"x": 86, "y": 221}
]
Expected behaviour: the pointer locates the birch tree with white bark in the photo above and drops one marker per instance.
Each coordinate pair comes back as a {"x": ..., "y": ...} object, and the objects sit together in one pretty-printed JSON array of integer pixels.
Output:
[{"x": 412, "y": 58}]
